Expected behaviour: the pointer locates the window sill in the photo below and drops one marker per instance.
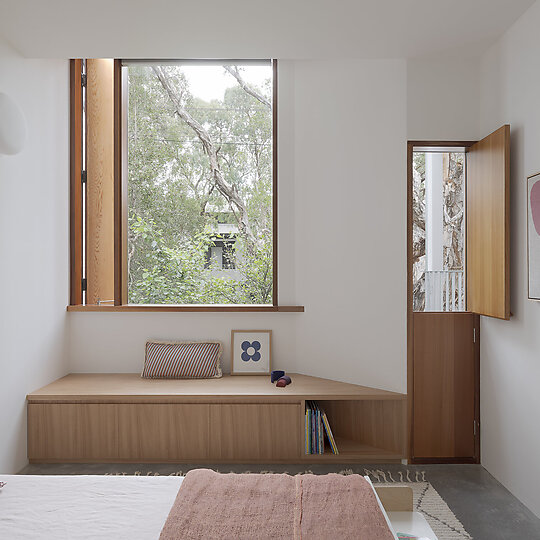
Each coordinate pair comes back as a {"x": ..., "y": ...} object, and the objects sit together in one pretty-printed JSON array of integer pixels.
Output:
[{"x": 188, "y": 308}]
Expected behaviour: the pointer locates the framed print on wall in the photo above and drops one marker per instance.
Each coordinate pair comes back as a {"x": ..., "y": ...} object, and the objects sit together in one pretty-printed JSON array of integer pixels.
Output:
[
  {"x": 533, "y": 235},
  {"x": 251, "y": 352}
]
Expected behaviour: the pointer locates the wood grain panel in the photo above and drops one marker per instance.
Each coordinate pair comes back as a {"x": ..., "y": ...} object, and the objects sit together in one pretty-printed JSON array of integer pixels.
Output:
[
  {"x": 100, "y": 181},
  {"x": 488, "y": 225},
  {"x": 254, "y": 431},
  {"x": 75, "y": 189},
  {"x": 132, "y": 387},
  {"x": 410, "y": 350},
  {"x": 396, "y": 498},
  {"x": 69, "y": 431},
  {"x": 169, "y": 432},
  {"x": 228, "y": 308},
  {"x": 379, "y": 424},
  {"x": 445, "y": 382}
]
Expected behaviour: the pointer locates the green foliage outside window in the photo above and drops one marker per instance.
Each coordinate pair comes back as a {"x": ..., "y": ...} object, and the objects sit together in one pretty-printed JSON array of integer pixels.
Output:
[{"x": 198, "y": 167}]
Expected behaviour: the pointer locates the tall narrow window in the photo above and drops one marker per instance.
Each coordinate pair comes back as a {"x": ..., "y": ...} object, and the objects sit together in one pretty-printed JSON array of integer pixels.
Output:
[
  {"x": 200, "y": 182},
  {"x": 439, "y": 230}
]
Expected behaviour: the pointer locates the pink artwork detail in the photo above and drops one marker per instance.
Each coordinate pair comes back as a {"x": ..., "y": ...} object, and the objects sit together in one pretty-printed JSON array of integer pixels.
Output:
[{"x": 535, "y": 205}]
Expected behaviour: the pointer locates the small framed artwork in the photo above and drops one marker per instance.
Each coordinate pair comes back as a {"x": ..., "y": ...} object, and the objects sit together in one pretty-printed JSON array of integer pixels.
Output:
[
  {"x": 251, "y": 352},
  {"x": 533, "y": 235}
]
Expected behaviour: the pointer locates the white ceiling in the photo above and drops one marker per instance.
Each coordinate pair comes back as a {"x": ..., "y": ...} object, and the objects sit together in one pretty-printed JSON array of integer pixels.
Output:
[{"x": 256, "y": 29}]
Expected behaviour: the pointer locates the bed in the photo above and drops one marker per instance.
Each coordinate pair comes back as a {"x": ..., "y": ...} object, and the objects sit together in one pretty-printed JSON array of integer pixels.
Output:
[{"x": 106, "y": 507}]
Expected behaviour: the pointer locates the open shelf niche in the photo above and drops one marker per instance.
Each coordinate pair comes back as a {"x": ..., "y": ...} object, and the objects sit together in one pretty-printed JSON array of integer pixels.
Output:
[{"x": 364, "y": 430}]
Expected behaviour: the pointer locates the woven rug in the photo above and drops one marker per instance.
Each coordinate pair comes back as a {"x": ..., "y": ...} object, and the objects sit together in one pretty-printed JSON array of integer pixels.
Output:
[{"x": 426, "y": 499}]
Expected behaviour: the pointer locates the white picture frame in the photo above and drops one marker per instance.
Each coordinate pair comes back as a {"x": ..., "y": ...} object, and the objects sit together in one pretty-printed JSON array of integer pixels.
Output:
[
  {"x": 251, "y": 352},
  {"x": 533, "y": 236}
]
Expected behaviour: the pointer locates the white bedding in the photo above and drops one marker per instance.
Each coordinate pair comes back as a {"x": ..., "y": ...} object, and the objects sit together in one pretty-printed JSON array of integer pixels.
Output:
[{"x": 87, "y": 507}]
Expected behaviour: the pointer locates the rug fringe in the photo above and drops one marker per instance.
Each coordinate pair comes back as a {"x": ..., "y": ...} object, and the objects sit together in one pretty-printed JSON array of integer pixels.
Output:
[{"x": 376, "y": 475}]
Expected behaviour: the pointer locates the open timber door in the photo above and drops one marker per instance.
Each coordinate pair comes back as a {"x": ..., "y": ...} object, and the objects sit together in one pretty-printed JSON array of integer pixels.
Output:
[{"x": 488, "y": 225}]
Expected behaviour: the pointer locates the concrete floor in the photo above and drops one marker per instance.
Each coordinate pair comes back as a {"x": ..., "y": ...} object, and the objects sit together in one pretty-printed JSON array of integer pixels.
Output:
[{"x": 486, "y": 508}]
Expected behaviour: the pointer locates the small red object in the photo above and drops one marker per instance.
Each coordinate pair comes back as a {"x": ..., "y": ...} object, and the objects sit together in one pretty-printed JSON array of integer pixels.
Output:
[{"x": 283, "y": 381}]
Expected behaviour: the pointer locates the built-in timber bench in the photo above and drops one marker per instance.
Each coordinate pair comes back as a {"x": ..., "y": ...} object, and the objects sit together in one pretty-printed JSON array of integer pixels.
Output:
[{"x": 123, "y": 418}]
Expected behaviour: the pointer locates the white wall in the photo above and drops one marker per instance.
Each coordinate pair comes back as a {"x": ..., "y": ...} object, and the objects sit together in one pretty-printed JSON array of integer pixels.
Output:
[
  {"x": 443, "y": 96},
  {"x": 350, "y": 185},
  {"x": 33, "y": 245},
  {"x": 342, "y": 127},
  {"x": 510, "y": 351},
  {"x": 114, "y": 342}
]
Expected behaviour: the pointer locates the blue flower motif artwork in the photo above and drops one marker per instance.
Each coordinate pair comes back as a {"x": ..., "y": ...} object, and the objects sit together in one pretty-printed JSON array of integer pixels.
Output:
[{"x": 251, "y": 351}]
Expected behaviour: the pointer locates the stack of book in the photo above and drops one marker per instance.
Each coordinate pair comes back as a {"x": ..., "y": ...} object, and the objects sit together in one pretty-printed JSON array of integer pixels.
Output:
[{"x": 317, "y": 425}]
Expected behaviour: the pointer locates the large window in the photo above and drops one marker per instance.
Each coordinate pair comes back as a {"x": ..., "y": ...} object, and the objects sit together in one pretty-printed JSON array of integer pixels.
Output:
[
  {"x": 173, "y": 183},
  {"x": 200, "y": 212}
]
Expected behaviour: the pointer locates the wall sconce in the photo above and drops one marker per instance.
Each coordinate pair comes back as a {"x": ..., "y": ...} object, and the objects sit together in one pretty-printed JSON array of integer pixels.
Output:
[{"x": 12, "y": 126}]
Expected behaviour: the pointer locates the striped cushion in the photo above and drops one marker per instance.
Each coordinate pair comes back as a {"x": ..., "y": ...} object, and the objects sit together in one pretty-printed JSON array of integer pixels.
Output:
[{"x": 182, "y": 360}]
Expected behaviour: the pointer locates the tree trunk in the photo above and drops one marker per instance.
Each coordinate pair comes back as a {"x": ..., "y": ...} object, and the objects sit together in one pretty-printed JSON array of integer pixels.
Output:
[{"x": 228, "y": 191}]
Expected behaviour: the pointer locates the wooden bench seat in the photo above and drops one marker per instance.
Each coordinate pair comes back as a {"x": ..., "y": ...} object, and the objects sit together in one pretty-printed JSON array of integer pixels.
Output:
[{"x": 123, "y": 418}]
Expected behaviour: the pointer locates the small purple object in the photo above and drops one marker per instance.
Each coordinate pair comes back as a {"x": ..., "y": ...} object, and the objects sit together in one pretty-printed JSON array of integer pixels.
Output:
[
  {"x": 283, "y": 381},
  {"x": 275, "y": 375}
]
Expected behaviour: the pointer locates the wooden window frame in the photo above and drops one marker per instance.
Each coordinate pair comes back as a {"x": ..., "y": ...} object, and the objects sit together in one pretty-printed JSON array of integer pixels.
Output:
[
  {"x": 75, "y": 183},
  {"x": 121, "y": 211},
  {"x": 410, "y": 328},
  {"x": 411, "y": 145}
]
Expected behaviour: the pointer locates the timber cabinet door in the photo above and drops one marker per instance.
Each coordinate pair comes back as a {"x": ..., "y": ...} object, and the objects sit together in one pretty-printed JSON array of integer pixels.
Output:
[
  {"x": 163, "y": 431},
  {"x": 251, "y": 432},
  {"x": 72, "y": 432},
  {"x": 446, "y": 384}
]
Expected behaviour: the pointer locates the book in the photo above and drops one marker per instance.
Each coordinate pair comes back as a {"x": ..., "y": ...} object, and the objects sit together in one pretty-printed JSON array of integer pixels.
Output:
[
  {"x": 317, "y": 440},
  {"x": 309, "y": 428},
  {"x": 321, "y": 431},
  {"x": 306, "y": 426},
  {"x": 317, "y": 429},
  {"x": 329, "y": 434}
]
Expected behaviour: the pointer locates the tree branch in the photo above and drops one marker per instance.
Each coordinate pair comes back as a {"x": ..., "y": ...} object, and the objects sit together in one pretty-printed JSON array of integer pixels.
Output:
[
  {"x": 228, "y": 191},
  {"x": 233, "y": 70},
  {"x": 206, "y": 199}
]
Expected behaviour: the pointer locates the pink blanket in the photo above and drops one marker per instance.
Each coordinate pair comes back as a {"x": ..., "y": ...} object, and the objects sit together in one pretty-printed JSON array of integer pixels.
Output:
[{"x": 210, "y": 506}]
